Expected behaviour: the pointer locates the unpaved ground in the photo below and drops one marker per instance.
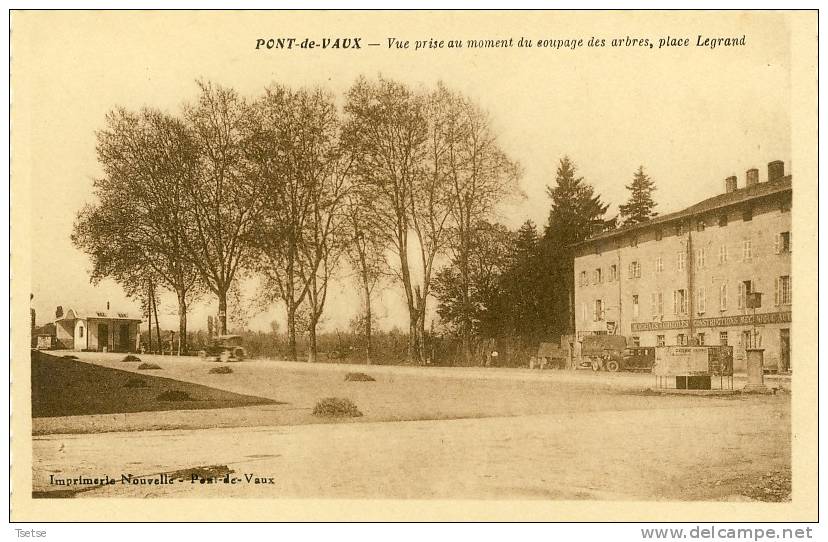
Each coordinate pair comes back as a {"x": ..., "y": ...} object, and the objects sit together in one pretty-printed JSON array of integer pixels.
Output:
[
  {"x": 664, "y": 454},
  {"x": 553, "y": 436},
  {"x": 398, "y": 394}
]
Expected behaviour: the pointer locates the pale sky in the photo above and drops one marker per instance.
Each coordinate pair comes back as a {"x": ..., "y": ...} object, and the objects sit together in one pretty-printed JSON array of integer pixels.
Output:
[{"x": 692, "y": 116}]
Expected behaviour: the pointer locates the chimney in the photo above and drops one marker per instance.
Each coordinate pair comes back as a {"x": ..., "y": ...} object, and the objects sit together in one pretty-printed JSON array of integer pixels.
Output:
[
  {"x": 752, "y": 177},
  {"x": 776, "y": 170},
  {"x": 731, "y": 184}
]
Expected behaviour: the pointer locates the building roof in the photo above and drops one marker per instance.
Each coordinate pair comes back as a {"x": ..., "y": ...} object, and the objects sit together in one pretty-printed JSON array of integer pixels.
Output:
[
  {"x": 74, "y": 314},
  {"x": 719, "y": 201}
]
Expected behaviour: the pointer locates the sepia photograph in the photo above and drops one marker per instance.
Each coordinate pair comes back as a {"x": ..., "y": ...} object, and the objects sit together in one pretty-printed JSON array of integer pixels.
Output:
[{"x": 414, "y": 265}]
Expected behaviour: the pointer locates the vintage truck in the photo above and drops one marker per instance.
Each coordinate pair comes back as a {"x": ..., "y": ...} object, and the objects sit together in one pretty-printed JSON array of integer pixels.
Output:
[{"x": 549, "y": 356}]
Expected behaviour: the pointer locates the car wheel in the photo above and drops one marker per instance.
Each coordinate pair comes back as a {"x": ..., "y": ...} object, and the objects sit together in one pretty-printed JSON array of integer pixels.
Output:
[{"x": 613, "y": 366}]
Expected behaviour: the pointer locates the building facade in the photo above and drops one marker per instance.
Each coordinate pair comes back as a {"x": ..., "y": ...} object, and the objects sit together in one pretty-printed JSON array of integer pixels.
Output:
[
  {"x": 101, "y": 331},
  {"x": 718, "y": 272}
]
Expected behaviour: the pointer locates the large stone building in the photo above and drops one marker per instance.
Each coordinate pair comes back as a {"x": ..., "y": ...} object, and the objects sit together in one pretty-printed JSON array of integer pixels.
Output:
[{"x": 687, "y": 277}]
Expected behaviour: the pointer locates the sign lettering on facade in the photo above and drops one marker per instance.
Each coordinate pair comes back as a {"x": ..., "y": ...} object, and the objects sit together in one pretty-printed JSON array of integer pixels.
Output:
[{"x": 740, "y": 320}]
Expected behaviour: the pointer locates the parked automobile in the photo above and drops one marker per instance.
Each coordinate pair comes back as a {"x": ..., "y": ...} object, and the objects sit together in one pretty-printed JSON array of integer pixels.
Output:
[
  {"x": 635, "y": 358},
  {"x": 224, "y": 348}
]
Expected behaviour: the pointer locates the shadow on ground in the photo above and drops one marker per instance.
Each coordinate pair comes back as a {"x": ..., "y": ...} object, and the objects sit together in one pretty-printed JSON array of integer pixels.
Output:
[{"x": 66, "y": 387}]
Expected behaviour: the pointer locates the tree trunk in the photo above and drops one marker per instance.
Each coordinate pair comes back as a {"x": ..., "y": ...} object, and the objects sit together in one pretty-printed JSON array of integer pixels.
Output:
[
  {"x": 312, "y": 340},
  {"x": 157, "y": 327},
  {"x": 222, "y": 300},
  {"x": 368, "y": 329},
  {"x": 149, "y": 317},
  {"x": 413, "y": 329},
  {"x": 182, "y": 323},
  {"x": 421, "y": 335},
  {"x": 291, "y": 323}
]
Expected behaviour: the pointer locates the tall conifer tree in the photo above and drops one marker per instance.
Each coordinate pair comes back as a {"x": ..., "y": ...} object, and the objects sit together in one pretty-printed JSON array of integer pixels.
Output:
[{"x": 640, "y": 205}]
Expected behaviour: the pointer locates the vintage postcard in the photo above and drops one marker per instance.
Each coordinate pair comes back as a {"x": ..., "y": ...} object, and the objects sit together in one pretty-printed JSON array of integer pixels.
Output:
[{"x": 414, "y": 265}]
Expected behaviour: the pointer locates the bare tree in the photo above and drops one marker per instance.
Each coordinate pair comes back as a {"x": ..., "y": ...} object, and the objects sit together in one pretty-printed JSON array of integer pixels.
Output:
[
  {"x": 478, "y": 174},
  {"x": 138, "y": 231},
  {"x": 364, "y": 252},
  {"x": 224, "y": 199},
  {"x": 389, "y": 134},
  {"x": 299, "y": 163}
]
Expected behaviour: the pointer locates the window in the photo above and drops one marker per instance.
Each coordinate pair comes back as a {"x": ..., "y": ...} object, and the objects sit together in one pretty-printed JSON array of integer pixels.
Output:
[
  {"x": 700, "y": 339},
  {"x": 723, "y": 254},
  {"x": 722, "y": 220},
  {"x": 659, "y": 234},
  {"x": 700, "y": 257},
  {"x": 584, "y": 312},
  {"x": 656, "y": 304},
  {"x": 782, "y": 291},
  {"x": 680, "y": 259},
  {"x": 597, "y": 277},
  {"x": 785, "y": 205},
  {"x": 679, "y": 229},
  {"x": 635, "y": 306},
  {"x": 598, "y": 313},
  {"x": 745, "y": 288},
  {"x": 80, "y": 332},
  {"x": 660, "y": 340},
  {"x": 783, "y": 243},
  {"x": 747, "y": 214},
  {"x": 680, "y": 301},
  {"x": 723, "y": 297},
  {"x": 635, "y": 270},
  {"x": 659, "y": 265},
  {"x": 584, "y": 279},
  {"x": 636, "y": 341},
  {"x": 681, "y": 339},
  {"x": 701, "y": 301},
  {"x": 613, "y": 273},
  {"x": 700, "y": 225},
  {"x": 723, "y": 338},
  {"x": 747, "y": 250}
]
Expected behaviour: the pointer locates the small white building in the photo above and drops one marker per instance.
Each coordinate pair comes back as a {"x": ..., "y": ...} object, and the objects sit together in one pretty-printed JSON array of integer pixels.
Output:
[{"x": 100, "y": 331}]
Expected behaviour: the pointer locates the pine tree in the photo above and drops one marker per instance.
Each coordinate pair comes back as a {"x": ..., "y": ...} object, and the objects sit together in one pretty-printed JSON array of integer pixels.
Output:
[
  {"x": 576, "y": 214},
  {"x": 640, "y": 205}
]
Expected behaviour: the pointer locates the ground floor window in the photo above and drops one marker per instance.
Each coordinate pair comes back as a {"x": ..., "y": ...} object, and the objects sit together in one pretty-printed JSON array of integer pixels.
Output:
[
  {"x": 723, "y": 338},
  {"x": 681, "y": 339},
  {"x": 636, "y": 341},
  {"x": 660, "y": 340},
  {"x": 700, "y": 339}
]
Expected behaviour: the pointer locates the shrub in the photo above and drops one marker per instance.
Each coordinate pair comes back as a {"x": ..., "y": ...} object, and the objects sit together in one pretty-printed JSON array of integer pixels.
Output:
[
  {"x": 359, "y": 377},
  {"x": 174, "y": 395},
  {"x": 148, "y": 366},
  {"x": 223, "y": 370},
  {"x": 336, "y": 407},
  {"x": 135, "y": 383},
  {"x": 130, "y": 357}
]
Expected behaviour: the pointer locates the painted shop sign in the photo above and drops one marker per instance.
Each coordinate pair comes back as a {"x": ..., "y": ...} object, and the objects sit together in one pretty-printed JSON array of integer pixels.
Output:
[{"x": 721, "y": 321}]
